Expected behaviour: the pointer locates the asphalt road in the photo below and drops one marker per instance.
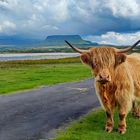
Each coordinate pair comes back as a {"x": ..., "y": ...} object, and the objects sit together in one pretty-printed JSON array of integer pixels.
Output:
[{"x": 33, "y": 114}]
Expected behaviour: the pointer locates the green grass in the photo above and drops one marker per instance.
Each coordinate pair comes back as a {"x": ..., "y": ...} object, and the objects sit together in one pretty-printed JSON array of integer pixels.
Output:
[
  {"x": 20, "y": 75},
  {"x": 91, "y": 127}
]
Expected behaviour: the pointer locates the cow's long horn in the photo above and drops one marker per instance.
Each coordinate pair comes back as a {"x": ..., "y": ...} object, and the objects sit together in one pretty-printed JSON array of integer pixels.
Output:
[
  {"x": 128, "y": 48},
  {"x": 76, "y": 49}
]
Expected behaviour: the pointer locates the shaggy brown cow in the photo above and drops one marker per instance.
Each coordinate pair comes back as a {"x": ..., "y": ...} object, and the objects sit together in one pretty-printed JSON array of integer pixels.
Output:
[{"x": 117, "y": 81}]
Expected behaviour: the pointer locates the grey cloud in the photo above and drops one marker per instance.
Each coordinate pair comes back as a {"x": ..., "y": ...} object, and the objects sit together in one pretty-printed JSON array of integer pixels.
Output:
[{"x": 44, "y": 17}]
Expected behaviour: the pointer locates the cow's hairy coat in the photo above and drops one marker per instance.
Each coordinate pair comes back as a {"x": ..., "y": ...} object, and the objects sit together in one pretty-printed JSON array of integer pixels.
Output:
[
  {"x": 123, "y": 87},
  {"x": 117, "y": 81}
]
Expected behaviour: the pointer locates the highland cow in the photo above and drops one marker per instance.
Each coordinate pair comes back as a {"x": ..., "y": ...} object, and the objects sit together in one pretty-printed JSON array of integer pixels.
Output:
[{"x": 117, "y": 81}]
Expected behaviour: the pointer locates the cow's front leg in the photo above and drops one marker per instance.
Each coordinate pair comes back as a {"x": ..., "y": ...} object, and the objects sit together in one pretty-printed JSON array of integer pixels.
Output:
[
  {"x": 122, "y": 121},
  {"x": 110, "y": 122}
]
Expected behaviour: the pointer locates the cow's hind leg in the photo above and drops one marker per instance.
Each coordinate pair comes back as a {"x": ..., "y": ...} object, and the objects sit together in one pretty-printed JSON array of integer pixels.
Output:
[
  {"x": 136, "y": 104},
  {"x": 124, "y": 108},
  {"x": 136, "y": 109}
]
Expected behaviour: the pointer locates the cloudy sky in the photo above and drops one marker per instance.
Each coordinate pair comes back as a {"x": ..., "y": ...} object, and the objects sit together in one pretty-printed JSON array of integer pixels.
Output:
[{"x": 102, "y": 21}]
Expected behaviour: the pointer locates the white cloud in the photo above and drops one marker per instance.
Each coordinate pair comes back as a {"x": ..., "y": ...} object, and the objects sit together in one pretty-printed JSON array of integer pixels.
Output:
[
  {"x": 55, "y": 10},
  {"x": 7, "y": 27},
  {"x": 115, "y": 38},
  {"x": 124, "y": 8},
  {"x": 49, "y": 27}
]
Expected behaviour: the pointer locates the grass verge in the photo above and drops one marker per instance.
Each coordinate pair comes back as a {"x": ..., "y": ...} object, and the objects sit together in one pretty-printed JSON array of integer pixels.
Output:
[
  {"x": 21, "y": 75},
  {"x": 91, "y": 127}
]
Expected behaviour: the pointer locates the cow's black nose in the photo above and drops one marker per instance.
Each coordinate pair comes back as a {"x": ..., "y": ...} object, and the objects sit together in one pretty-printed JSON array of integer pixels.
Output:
[{"x": 104, "y": 77}]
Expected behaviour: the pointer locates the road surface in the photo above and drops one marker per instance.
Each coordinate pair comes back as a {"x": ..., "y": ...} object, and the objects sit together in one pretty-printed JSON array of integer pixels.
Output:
[{"x": 31, "y": 115}]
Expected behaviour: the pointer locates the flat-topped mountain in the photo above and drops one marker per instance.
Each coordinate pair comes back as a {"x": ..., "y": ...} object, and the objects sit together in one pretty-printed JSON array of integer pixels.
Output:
[{"x": 56, "y": 40}]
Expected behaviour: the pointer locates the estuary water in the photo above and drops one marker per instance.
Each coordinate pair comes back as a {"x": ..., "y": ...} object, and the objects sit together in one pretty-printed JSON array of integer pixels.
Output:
[{"x": 35, "y": 56}]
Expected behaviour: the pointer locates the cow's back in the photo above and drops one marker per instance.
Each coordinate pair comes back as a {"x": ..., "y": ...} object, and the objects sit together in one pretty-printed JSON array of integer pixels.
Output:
[
  {"x": 133, "y": 62},
  {"x": 135, "y": 55}
]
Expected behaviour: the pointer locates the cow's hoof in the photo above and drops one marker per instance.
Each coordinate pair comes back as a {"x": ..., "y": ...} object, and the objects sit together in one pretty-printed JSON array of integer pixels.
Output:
[
  {"x": 108, "y": 129},
  {"x": 137, "y": 115},
  {"x": 121, "y": 131}
]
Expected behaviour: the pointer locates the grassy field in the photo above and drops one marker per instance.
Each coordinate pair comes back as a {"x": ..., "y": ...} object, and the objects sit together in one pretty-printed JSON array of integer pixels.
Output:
[
  {"x": 20, "y": 75},
  {"x": 91, "y": 127}
]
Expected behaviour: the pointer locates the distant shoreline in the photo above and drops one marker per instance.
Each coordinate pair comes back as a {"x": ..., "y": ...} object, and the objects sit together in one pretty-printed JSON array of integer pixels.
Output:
[{"x": 35, "y": 56}]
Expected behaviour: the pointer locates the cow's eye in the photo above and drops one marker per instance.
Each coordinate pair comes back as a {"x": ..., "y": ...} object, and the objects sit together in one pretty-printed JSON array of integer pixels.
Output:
[{"x": 95, "y": 63}]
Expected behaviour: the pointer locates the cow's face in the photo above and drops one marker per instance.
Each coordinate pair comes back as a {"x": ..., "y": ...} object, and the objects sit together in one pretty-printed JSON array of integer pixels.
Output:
[{"x": 103, "y": 62}]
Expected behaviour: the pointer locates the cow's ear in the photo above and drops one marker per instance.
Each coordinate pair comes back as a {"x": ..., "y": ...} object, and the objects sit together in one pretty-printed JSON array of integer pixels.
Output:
[
  {"x": 86, "y": 59},
  {"x": 120, "y": 58}
]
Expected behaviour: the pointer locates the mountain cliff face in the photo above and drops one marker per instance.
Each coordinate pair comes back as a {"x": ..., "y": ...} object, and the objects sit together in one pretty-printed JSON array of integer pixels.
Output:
[
  {"x": 56, "y": 40},
  {"x": 53, "y": 40},
  {"x": 21, "y": 43}
]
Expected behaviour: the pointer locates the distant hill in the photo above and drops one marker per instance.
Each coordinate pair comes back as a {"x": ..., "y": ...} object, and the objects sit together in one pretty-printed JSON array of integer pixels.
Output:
[
  {"x": 58, "y": 40},
  {"x": 53, "y": 40},
  {"x": 16, "y": 40},
  {"x": 53, "y": 43}
]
